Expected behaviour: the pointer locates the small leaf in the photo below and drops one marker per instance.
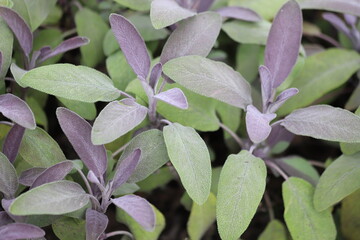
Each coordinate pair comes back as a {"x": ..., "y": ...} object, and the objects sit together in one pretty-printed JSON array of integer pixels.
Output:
[
  {"x": 275, "y": 230},
  {"x": 190, "y": 157},
  {"x": 96, "y": 223},
  {"x": 239, "y": 13},
  {"x": 258, "y": 124},
  {"x": 338, "y": 23},
  {"x": 241, "y": 187},
  {"x": 301, "y": 218},
  {"x": 14, "y": 231},
  {"x": 173, "y": 97},
  {"x": 12, "y": 142},
  {"x": 138, "y": 208},
  {"x": 282, "y": 98},
  {"x": 53, "y": 198},
  {"x": 8, "y": 178},
  {"x": 339, "y": 180},
  {"x": 155, "y": 74},
  {"x": 27, "y": 177},
  {"x": 266, "y": 85}
]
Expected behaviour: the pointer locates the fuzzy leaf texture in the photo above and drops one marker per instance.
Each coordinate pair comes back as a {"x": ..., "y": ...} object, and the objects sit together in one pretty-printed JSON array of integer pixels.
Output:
[
  {"x": 96, "y": 223},
  {"x": 8, "y": 178},
  {"x": 348, "y": 6},
  {"x": 126, "y": 168},
  {"x": 258, "y": 124},
  {"x": 239, "y": 13},
  {"x": 14, "y": 231},
  {"x": 174, "y": 97},
  {"x": 12, "y": 142}
]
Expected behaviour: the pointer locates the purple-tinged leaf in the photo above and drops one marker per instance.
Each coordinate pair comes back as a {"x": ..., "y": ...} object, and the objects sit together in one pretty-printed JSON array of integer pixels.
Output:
[
  {"x": 348, "y": 6},
  {"x": 4, "y": 218},
  {"x": 28, "y": 177},
  {"x": 240, "y": 13},
  {"x": 155, "y": 74},
  {"x": 17, "y": 110},
  {"x": 65, "y": 46},
  {"x": 204, "y": 5},
  {"x": 132, "y": 44},
  {"x": 126, "y": 168},
  {"x": 1, "y": 61},
  {"x": 12, "y": 142},
  {"x": 279, "y": 134},
  {"x": 19, "y": 27},
  {"x": 8, "y": 177},
  {"x": 258, "y": 124},
  {"x": 193, "y": 36},
  {"x": 337, "y": 22},
  {"x": 15, "y": 231},
  {"x": 53, "y": 173},
  {"x": 266, "y": 88},
  {"x": 281, "y": 99},
  {"x": 78, "y": 131},
  {"x": 5, "y": 203},
  {"x": 283, "y": 43},
  {"x": 147, "y": 88},
  {"x": 138, "y": 208},
  {"x": 174, "y": 97},
  {"x": 96, "y": 223},
  {"x": 92, "y": 178},
  {"x": 350, "y": 19}
]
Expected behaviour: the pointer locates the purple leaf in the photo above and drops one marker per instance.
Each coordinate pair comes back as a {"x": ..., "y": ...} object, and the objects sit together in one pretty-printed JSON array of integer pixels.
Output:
[
  {"x": 279, "y": 134},
  {"x": 78, "y": 131},
  {"x": 92, "y": 178},
  {"x": 19, "y": 28},
  {"x": 283, "y": 43},
  {"x": 132, "y": 44},
  {"x": 14, "y": 231},
  {"x": 350, "y": 19},
  {"x": 204, "y": 5},
  {"x": 155, "y": 74},
  {"x": 96, "y": 223},
  {"x": 138, "y": 208},
  {"x": 173, "y": 97},
  {"x": 17, "y": 110},
  {"x": 5, "y": 203},
  {"x": 126, "y": 168},
  {"x": 240, "y": 13},
  {"x": 337, "y": 22},
  {"x": 258, "y": 124},
  {"x": 281, "y": 99},
  {"x": 12, "y": 142},
  {"x": 65, "y": 46},
  {"x": 28, "y": 177},
  {"x": 266, "y": 88},
  {"x": 4, "y": 218},
  {"x": 53, "y": 173},
  {"x": 348, "y": 6}
]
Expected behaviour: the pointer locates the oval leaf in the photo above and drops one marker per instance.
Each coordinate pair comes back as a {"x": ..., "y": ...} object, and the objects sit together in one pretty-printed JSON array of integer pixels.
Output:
[
  {"x": 14, "y": 231},
  {"x": 275, "y": 230},
  {"x": 96, "y": 223},
  {"x": 12, "y": 142},
  {"x": 28, "y": 176},
  {"x": 240, "y": 13},
  {"x": 174, "y": 97},
  {"x": 8, "y": 178},
  {"x": 258, "y": 124}
]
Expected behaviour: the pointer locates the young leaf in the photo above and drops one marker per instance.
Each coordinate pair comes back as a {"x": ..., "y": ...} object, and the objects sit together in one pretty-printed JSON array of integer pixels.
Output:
[
  {"x": 301, "y": 218},
  {"x": 239, "y": 13},
  {"x": 210, "y": 78},
  {"x": 131, "y": 44},
  {"x": 190, "y": 157},
  {"x": 173, "y": 97},
  {"x": 283, "y": 43},
  {"x": 282, "y": 98},
  {"x": 324, "y": 122},
  {"x": 164, "y": 13},
  {"x": 348, "y": 6},
  {"x": 339, "y": 180},
  {"x": 138, "y": 208},
  {"x": 53, "y": 198},
  {"x": 258, "y": 124},
  {"x": 8, "y": 178},
  {"x": 17, "y": 110},
  {"x": 241, "y": 187},
  {"x": 27, "y": 177},
  {"x": 337, "y": 22},
  {"x": 266, "y": 88},
  {"x": 275, "y": 230},
  {"x": 12, "y": 142},
  {"x": 96, "y": 223},
  {"x": 204, "y": 5},
  {"x": 14, "y": 231},
  {"x": 155, "y": 75},
  {"x": 193, "y": 36},
  {"x": 6, "y": 49},
  {"x": 73, "y": 82},
  {"x": 78, "y": 131}
]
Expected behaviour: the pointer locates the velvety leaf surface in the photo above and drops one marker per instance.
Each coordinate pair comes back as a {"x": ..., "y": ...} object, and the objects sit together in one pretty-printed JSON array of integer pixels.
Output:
[
  {"x": 189, "y": 155},
  {"x": 73, "y": 82},
  {"x": 96, "y": 223},
  {"x": 8, "y": 178},
  {"x": 275, "y": 230},
  {"x": 324, "y": 122},
  {"x": 193, "y": 36},
  {"x": 78, "y": 131},
  {"x": 116, "y": 119},
  {"x": 349, "y": 6},
  {"x": 301, "y": 218},
  {"x": 239, "y": 13},
  {"x": 52, "y": 198},
  {"x": 351, "y": 148},
  {"x": 67, "y": 228},
  {"x": 350, "y": 216},
  {"x": 12, "y": 142},
  {"x": 84, "y": 109},
  {"x": 4, "y": 218},
  {"x": 173, "y": 97},
  {"x": 266, "y": 9},
  {"x": 164, "y": 13},
  {"x": 282, "y": 98},
  {"x": 339, "y": 180},
  {"x": 258, "y": 124},
  {"x": 28, "y": 176},
  {"x": 6, "y": 48},
  {"x": 146, "y": 29},
  {"x": 14, "y": 231},
  {"x": 139, "y": 5},
  {"x": 126, "y": 168},
  {"x": 241, "y": 187},
  {"x": 210, "y": 78}
]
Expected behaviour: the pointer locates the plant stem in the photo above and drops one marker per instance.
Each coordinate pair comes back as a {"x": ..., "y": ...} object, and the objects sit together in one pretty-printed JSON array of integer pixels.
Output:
[
  {"x": 87, "y": 184},
  {"x": 269, "y": 206},
  {"x": 317, "y": 163},
  {"x": 277, "y": 168},
  {"x": 119, "y": 150},
  {"x": 111, "y": 234},
  {"x": 232, "y": 134}
]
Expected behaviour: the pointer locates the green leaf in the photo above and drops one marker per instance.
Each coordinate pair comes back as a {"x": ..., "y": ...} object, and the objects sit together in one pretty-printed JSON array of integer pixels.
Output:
[
  {"x": 91, "y": 25},
  {"x": 351, "y": 148},
  {"x": 110, "y": 44},
  {"x": 247, "y": 60},
  {"x": 275, "y": 230},
  {"x": 350, "y": 216},
  {"x": 339, "y": 180},
  {"x": 201, "y": 218},
  {"x": 39, "y": 149},
  {"x": 230, "y": 116},
  {"x": 241, "y": 187},
  {"x": 8, "y": 178},
  {"x": 145, "y": 28},
  {"x": 48, "y": 37},
  {"x": 159, "y": 178},
  {"x": 138, "y": 5},
  {"x": 84, "y": 109},
  {"x": 73, "y": 82},
  {"x": 137, "y": 230},
  {"x": 51, "y": 198},
  {"x": 322, "y": 73},
  {"x": 6, "y": 47},
  {"x": 301, "y": 218},
  {"x": 247, "y": 32},
  {"x": 39, "y": 113},
  {"x": 68, "y": 228},
  {"x": 7, "y": 3},
  {"x": 190, "y": 157},
  {"x": 266, "y": 9},
  {"x": 210, "y": 78},
  {"x": 54, "y": 16},
  {"x": 126, "y": 188}
]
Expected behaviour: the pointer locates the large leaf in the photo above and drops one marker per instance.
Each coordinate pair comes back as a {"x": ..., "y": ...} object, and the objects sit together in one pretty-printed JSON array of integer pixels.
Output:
[
  {"x": 194, "y": 36},
  {"x": 210, "y": 78},
  {"x": 324, "y": 122},
  {"x": 126, "y": 168},
  {"x": 84, "y": 109},
  {"x": 116, "y": 119},
  {"x": 52, "y": 198},
  {"x": 67, "y": 228},
  {"x": 14, "y": 231},
  {"x": 301, "y": 218},
  {"x": 6, "y": 47},
  {"x": 73, "y": 82},
  {"x": 146, "y": 29},
  {"x": 241, "y": 187},
  {"x": 348, "y": 6},
  {"x": 350, "y": 216},
  {"x": 267, "y": 9},
  {"x": 190, "y": 157},
  {"x": 96, "y": 223},
  {"x": 8, "y": 178},
  {"x": 339, "y": 180},
  {"x": 275, "y": 230}
]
